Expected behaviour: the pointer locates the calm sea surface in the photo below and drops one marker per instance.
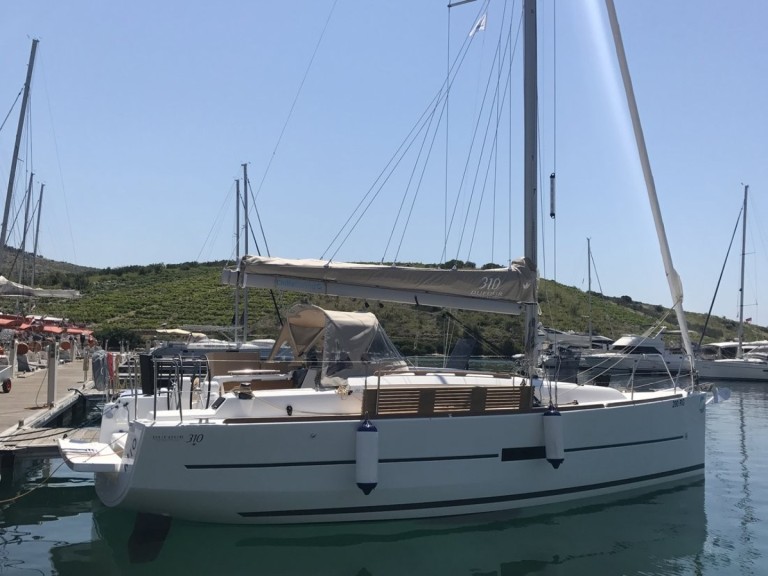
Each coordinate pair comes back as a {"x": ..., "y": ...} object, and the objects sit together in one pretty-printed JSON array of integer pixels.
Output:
[{"x": 716, "y": 526}]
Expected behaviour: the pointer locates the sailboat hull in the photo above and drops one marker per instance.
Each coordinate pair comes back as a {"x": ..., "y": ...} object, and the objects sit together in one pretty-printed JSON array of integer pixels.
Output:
[
  {"x": 277, "y": 471},
  {"x": 735, "y": 369}
]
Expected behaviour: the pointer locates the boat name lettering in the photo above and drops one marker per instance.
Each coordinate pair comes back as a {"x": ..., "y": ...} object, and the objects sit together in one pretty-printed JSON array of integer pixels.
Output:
[
  {"x": 678, "y": 403},
  {"x": 167, "y": 437},
  {"x": 489, "y": 288},
  {"x": 487, "y": 294},
  {"x": 492, "y": 284},
  {"x": 195, "y": 439}
]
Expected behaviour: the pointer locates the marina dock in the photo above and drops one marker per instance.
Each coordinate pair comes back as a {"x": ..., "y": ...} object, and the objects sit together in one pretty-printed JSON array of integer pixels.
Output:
[{"x": 31, "y": 425}]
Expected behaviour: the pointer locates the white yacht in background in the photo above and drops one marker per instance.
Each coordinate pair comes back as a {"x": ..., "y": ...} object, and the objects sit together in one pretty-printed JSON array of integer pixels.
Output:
[
  {"x": 736, "y": 361},
  {"x": 727, "y": 350},
  {"x": 636, "y": 354},
  {"x": 553, "y": 339},
  {"x": 751, "y": 367}
]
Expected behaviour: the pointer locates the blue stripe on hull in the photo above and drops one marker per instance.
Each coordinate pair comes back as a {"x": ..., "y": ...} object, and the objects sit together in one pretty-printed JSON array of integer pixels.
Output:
[
  {"x": 507, "y": 455},
  {"x": 469, "y": 501}
]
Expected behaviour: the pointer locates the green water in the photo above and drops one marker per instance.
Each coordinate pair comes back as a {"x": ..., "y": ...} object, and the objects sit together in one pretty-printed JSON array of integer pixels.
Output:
[{"x": 716, "y": 526}]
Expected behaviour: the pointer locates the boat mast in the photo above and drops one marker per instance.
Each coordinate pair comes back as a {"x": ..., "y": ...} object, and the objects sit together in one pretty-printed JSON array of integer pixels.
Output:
[
  {"x": 237, "y": 258},
  {"x": 27, "y": 203},
  {"x": 19, "y": 130},
  {"x": 739, "y": 349},
  {"x": 37, "y": 233},
  {"x": 245, "y": 246},
  {"x": 673, "y": 279},
  {"x": 530, "y": 97},
  {"x": 589, "y": 289}
]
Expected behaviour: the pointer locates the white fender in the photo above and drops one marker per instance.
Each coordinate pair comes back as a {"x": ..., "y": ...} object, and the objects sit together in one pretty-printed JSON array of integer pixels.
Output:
[
  {"x": 553, "y": 437},
  {"x": 367, "y": 456}
]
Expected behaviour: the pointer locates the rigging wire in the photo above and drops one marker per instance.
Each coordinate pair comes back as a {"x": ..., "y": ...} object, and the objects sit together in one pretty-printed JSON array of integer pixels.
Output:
[
  {"x": 554, "y": 87},
  {"x": 720, "y": 278},
  {"x": 370, "y": 196},
  {"x": 755, "y": 290},
  {"x": 466, "y": 170},
  {"x": 553, "y": 177},
  {"x": 553, "y": 180},
  {"x": 509, "y": 164},
  {"x": 458, "y": 193},
  {"x": 496, "y": 139},
  {"x": 554, "y": 139},
  {"x": 470, "y": 153},
  {"x": 410, "y": 213},
  {"x": 375, "y": 189},
  {"x": 597, "y": 276},
  {"x": 481, "y": 153},
  {"x": 415, "y": 195},
  {"x": 216, "y": 223},
  {"x": 63, "y": 194},
  {"x": 497, "y": 103},
  {"x": 11, "y": 108},
  {"x": 762, "y": 241},
  {"x": 447, "y": 121},
  {"x": 296, "y": 98},
  {"x": 247, "y": 186},
  {"x": 16, "y": 209},
  {"x": 476, "y": 335},
  {"x": 492, "y": 157}
]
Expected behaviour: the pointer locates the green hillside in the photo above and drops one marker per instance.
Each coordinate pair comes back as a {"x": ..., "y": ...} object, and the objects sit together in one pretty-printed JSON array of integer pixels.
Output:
[{"x": 124, "y": 303}]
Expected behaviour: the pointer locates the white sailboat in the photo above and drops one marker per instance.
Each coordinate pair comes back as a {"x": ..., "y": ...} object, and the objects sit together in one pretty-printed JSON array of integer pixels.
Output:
[
  {"x": 750, "y": 364},
  {"x": 355, "y": 434}
]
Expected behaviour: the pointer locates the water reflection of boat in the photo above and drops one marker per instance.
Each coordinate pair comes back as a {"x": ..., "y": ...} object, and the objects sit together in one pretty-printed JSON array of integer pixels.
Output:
[
  {"x": 637, "y": 533},
  {"x": 48, "y": 505}
]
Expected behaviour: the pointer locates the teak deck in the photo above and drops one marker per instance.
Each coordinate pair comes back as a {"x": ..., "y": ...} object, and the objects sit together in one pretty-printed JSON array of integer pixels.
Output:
[{"x": 454, "y": 401}]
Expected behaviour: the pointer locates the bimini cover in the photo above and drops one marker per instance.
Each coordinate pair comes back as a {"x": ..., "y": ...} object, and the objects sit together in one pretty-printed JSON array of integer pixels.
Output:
[{"x": 345, "y": 343}]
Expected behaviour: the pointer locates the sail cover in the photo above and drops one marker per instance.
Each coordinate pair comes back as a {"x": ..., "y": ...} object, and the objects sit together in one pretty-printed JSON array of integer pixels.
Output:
[
  {"x": 500, "y": 290},
  {"x": 9, "y": 288}
]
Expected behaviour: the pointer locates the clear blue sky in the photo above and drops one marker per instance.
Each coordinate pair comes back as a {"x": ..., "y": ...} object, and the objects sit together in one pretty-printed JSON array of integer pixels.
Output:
[{"x": 143, "y": 112}]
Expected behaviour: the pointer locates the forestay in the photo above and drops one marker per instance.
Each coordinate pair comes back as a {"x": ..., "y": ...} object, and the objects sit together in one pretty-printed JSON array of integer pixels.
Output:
[{"x": 499, "y": 290}]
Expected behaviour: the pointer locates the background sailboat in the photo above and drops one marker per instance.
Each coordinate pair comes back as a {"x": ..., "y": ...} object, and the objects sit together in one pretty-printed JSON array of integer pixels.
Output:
[{"x": 751, "y": 366}]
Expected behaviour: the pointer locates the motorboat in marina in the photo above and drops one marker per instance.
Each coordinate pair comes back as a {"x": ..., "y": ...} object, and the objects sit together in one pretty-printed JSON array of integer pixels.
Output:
[
  {"x": 552, "y": 338},
  {"x": 636, "y": 354},
  {"x": 561, "y": 351},
  {"x": 348, "y": 431}
]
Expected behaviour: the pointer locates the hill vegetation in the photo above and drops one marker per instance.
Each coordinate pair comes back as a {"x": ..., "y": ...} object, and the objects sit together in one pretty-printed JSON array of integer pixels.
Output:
[{"x": 125, "y": 304}]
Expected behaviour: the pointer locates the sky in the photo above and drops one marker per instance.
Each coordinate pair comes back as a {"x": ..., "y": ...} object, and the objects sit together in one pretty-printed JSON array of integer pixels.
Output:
[{"x": 143, "y": 113}]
